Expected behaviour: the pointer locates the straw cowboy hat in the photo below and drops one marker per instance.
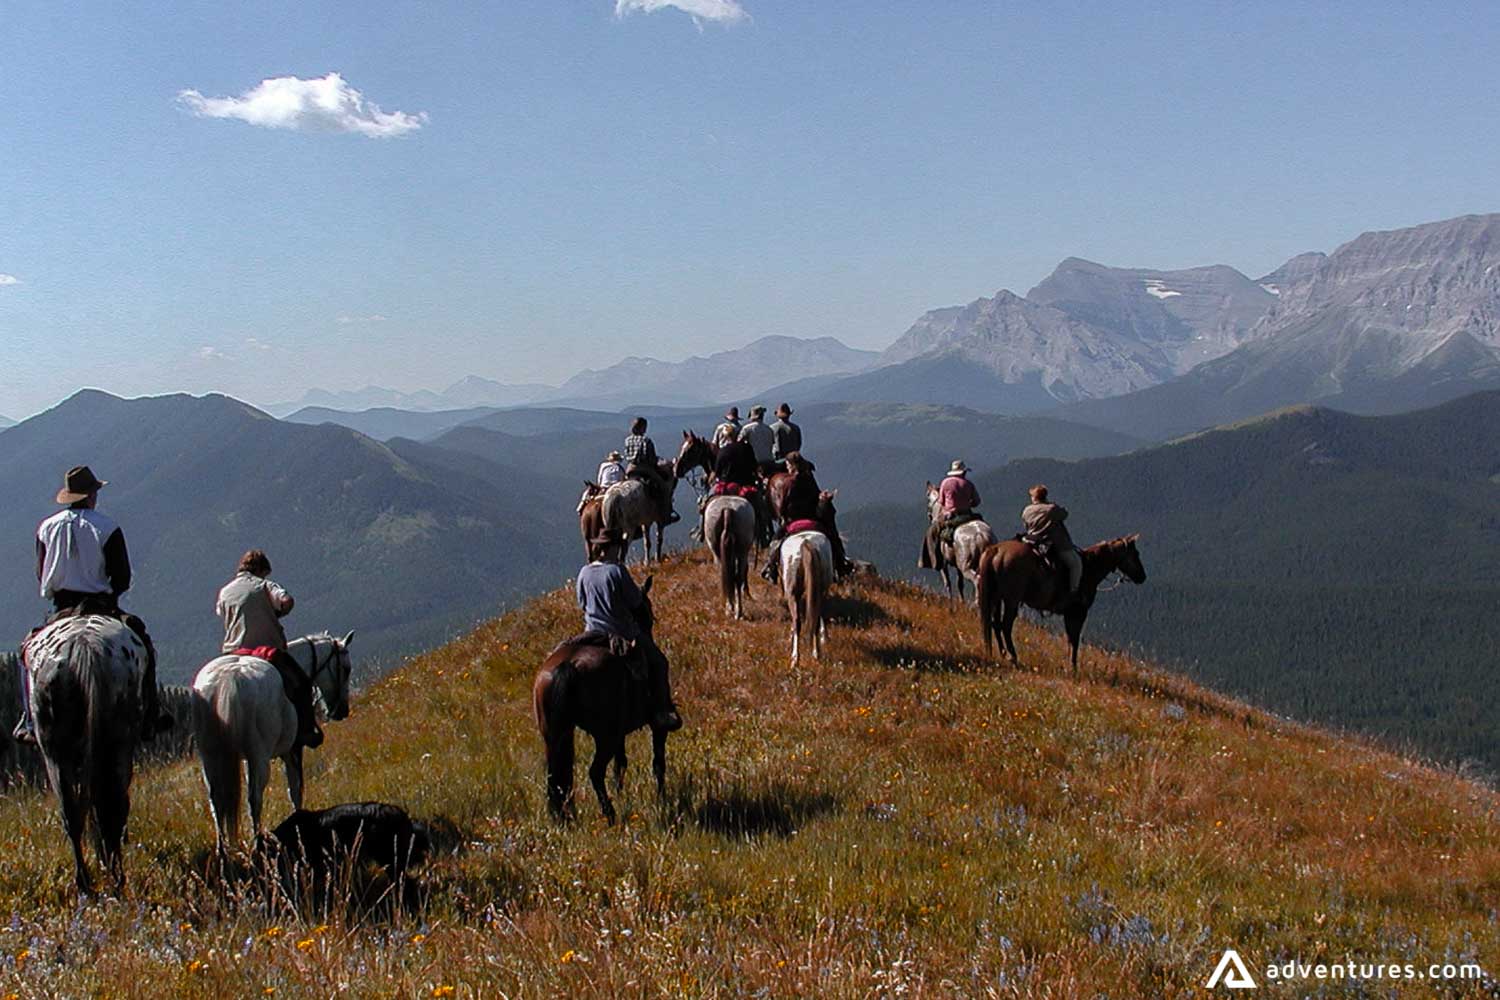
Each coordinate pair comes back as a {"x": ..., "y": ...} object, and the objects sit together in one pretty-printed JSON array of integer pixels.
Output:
[
  {"x": 958, "y": 468},
  {"x": 79, "y": 484}
]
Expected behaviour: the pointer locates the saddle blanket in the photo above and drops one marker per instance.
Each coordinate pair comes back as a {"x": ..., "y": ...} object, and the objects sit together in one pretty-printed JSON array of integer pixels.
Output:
[
  {"x": 724, "y": 489},
  {"x": 804, "y": 524}
]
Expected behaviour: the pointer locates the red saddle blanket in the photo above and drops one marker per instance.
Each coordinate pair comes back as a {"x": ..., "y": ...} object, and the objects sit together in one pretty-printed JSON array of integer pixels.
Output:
[
  {"x": 727, "y": 489},
  {"x": 804, "y": 524},
  {"x": 259, "y": 652}
]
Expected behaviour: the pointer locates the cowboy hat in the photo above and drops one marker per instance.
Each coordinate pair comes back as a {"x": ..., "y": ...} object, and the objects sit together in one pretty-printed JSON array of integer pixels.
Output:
[
  {"x": 783, "y": 410},
  {"x": 614, "y": 456},
  {"x": 757, "y": 410},
  {"x": 79, "y": 484},
  {"x": 958, "y": 468},
  {"x": 733, "y": 413}
]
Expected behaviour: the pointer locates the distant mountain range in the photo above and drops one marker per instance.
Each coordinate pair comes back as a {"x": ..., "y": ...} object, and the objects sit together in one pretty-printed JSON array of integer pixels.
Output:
[
  {"x": 1387, "y": 322},
  {"x": 635, "y": 381},
  {"x": 1390, "y": 321},
  {"x": 1331, "y": 566},
  {"x": 6, "y": 422}
]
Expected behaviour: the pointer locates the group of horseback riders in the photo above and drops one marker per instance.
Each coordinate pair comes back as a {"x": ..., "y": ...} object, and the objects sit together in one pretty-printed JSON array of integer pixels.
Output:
[
  {"x": 1043, "y": 520},
  {"x": 83, "y": 567}
]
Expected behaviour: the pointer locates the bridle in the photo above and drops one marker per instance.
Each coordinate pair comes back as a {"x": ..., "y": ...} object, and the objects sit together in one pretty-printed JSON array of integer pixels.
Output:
[{"x": 317, "y": 666}]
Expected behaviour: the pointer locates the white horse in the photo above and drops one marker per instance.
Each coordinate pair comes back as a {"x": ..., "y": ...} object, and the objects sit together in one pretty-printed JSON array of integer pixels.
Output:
[
  {"x": 729, "y": 529},
  {"x": 86, "y": 698},
  {"x": 241, "y": 713},
  {"x": 969, "y": 542},
  {"x": 806, "y": 573},
  {"x": 628, "y": 507}
]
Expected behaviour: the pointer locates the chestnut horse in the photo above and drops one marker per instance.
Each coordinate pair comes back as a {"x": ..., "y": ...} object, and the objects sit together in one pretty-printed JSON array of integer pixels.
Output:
[
  {"x": 585, "y": 686},
  {"x": 1012, "y": 574}
]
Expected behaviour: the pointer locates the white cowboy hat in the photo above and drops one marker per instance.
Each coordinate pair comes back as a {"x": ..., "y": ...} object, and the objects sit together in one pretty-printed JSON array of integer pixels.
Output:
[{"x": 958, "y": 468}]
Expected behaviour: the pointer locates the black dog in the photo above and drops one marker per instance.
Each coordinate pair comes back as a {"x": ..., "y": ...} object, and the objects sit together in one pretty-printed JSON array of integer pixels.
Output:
[{"x": 357, "y": 834}]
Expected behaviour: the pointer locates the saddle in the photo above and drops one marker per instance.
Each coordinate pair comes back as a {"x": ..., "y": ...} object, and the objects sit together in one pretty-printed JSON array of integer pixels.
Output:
[
  {"x": 952, "y": 524},
  {"x": 617, "y": 645},
  {"x": 727, "y": 489}
]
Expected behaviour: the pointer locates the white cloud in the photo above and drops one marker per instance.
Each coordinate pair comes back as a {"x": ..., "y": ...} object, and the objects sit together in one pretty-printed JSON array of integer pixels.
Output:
[
  {"x": 324, "y": 105},
  {"x": 722, "y": 11},
  {"x": 211, "y": 354},
  {"x": 256, "y": 344},
  {"x": 9, "y": 279},
  {"x": 348, "y": 320}
]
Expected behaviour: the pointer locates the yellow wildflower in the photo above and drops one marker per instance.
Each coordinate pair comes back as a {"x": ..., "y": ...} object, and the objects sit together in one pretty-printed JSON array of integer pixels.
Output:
[
  {"x": 442, "y": 991},
  {"x": 568, "y": 956}
]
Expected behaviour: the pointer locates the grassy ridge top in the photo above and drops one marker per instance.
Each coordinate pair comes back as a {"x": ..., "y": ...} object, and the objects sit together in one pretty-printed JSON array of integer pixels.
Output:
[{"x": 902, "y": 817}]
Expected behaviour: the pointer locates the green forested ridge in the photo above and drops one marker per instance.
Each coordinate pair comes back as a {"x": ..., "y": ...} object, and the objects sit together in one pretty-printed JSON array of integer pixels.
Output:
[{"x": 1333, "y": 567}]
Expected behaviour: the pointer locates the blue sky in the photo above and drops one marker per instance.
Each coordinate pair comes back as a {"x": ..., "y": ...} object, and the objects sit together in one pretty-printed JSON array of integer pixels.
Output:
[{"x": 573, "y": 183}]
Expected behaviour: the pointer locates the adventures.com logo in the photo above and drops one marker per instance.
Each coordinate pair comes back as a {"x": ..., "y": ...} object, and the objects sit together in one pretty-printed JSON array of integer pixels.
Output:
[{"x": 1232, "y": 973}]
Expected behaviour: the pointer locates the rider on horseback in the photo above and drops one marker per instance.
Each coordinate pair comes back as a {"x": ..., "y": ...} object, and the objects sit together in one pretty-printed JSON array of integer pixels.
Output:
[
  {"x": 609, "y": 597},
  {"x": 787, "y": 436},
  {"x": 737, "y": 474},
  {"x": 729, "y": 430},
  {"x": 641, "y": 463},
  {"x": 611, "y": 471},
  {"x": 83, "y": 568},
  {"x": 804, "y": 509},
  {"x": 761, "y": 438},
  {"x": 1046, "y": 533},
  {"x": 957, "y": 498},
  {"x": 251, "y": 607}
]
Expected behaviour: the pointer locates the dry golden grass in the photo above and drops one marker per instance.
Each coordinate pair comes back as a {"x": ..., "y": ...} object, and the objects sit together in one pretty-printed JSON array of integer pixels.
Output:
[{"x": 901, "y": 818}]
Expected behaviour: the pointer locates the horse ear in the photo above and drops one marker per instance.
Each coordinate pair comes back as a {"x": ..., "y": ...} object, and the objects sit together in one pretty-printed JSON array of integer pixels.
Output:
[
  {"x": 646, "y": 587},
  {"x": 348, "y": 637},
  {"x": 1132, "y": 539},
  {"x": 687, "y": 435},
  {"x": 832, "y": 494}
]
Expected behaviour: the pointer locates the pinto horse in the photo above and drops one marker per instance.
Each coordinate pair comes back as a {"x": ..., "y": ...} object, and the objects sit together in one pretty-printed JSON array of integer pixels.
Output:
[
  {"x": 969, "y": 542},
  {"x": 1011, "y": 574},
  {"x": 630, "y": 509},
  {"x": 586, "y": 686},
  {"x": 87, "y": 701},
  {"x": 806, "y": 574}
]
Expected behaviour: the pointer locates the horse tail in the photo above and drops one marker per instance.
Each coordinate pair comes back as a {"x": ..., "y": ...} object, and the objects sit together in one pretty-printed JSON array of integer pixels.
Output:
[
  {"x": 728, "y": 552},
  {"x": 219, "y": 755},
  {"x": 987, "y": 591},
  {"x": 549, "y": 700},
  {"x": 813, "y": 585}
]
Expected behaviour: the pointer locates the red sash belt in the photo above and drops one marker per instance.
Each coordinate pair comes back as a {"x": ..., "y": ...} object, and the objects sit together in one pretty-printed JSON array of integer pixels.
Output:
[
  {"x": 259, "y": 652},
  {"x": 805, "y": 524}
]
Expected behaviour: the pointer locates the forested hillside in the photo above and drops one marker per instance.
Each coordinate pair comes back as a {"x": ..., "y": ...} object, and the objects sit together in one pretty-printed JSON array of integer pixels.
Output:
[{"x": 1333, "y": 567}]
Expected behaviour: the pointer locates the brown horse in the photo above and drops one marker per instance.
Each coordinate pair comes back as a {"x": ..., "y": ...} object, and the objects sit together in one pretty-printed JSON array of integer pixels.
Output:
[
  {"x": 585, "y": 686},
  {"x": 696, "y": 452},
  {"x": 591, "y": 524},
  {"x": 1012, "y": 574}
]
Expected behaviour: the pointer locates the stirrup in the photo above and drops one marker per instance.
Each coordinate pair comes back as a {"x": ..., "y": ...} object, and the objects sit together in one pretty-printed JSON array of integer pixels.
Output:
[{"x": 24, "y": 734}]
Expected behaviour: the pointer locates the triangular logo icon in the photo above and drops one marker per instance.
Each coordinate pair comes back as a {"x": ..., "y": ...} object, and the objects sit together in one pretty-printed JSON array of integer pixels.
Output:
[{"x": 1232, "y": 972}]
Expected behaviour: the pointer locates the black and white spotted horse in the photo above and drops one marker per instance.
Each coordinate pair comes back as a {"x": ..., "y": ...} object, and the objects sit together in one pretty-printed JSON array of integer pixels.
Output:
[{"x": 88, "y": 704}]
